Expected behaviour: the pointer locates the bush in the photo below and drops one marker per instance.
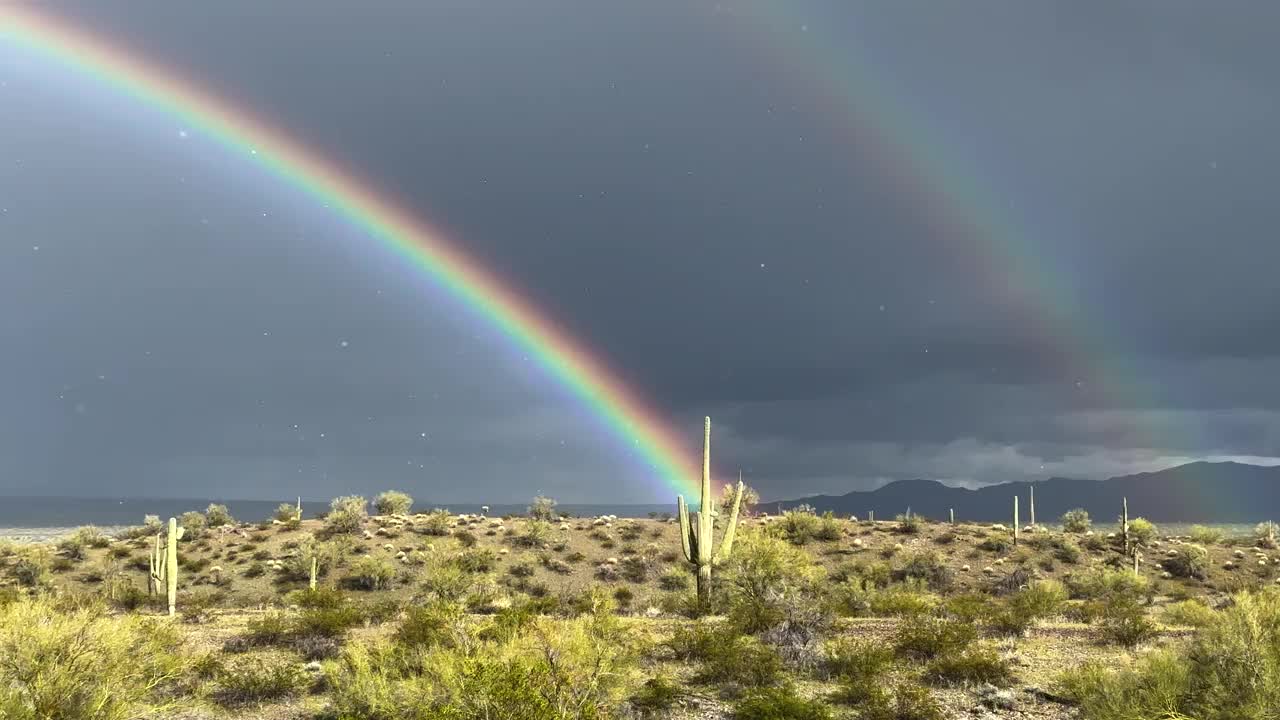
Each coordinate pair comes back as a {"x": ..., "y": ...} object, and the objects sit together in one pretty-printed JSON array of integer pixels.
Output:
[
  {"x": 218, "y": 515},
  {"x": 750, "y": 498},
  {"x": 1188, "y": 561},
  {"x": 536, "y": 534},
  {"x": 1107, "y": 583},
  {"x": 971, "y": 666},
  {"x": 477, "y": 560},
  {"x": 192, "y": 524},
  {"x": 258, "y": 680},
  {"x": 728, "y": 657},
  {"x": 346, "y": 514},
  {"x": 286, "y": 512},
  {"x": 908, "y": 524},
  {"x": 429, "y": 626},
  {"x": 32, "y": 569},
  {"x": 1067, "y": 552},
  {"x": 1190, "y": 613},
  {"x": 543, "y": 508},
  {"x": 436, "y": 523},
  {"x": 828, "y": 528},
  {"x": 780, "y": 703},
  {"x": 82, "y": 663},
  {"x": 656, "y": 696},
  {"x": 1125, "y": 623},
  {"x": 372, "y": 573},
  {"x": 1076, "y": 521},
  {"x": 1264, "y": 535},
  {"x": 923, "y": 637},
  {"x": 901, "y": 601},
  {"x": 995, "y": 544},
  {"x": 392, "y": 502},
  {"x": 848, "y": 658},
  {"x": 775, "y": 589},
  {"x": 798, "y": 526},
  {"x": 1205, "y": 535},
  {"x": 926, "y": 567},
  {"x": 578, "y": 669},
  {"x": 1142, "y": 531}
]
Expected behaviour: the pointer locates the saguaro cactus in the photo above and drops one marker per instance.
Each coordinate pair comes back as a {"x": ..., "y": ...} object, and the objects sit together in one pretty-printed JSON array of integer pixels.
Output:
[
  {"x": 1015, "y": 520},
  {"x": 1032, "y": 502},
  {"x": 315, "y": 561},
  {"x": 1124, "y": 525},
  {"x": 952, "y": 512},
  {"x": 697, "y": 538},
  {"x": 171, "y": 562}
]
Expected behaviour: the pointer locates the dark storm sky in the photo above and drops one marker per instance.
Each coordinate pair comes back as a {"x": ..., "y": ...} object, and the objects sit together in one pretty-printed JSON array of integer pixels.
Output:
[{"x": 695, "y": 191}]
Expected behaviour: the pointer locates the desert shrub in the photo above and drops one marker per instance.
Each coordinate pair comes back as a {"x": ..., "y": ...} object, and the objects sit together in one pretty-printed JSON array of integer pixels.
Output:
[
  {"x": 924, "y": 637},
  {"x": 331, "y": 621},
  {"x": 542, "y": 508},
  {"x": 779, "y": 702},
  {"x": 630, "y": 532},
  {"x": 1106, "y": 583},
  {"x": 82, "y": 663},
  {"x": 428, "y": 626},
  {"x": 775, "y": 589},
  {"x": 728, "y": 657},
  {"x": 297, "y": 566},
  {"x": 849, "y": 658},
  {"x": 257, "y": 680},
  {"x": 536, "y": 534},
  {"x": 392, "y": 502},
  {"x": 445, "y": 579},
  {"x": 1191, "y": 613},
  {"x": 521, "y": 570},
  {"x": 675, "y": 580},
  {"x": 945, "y": 538},
  {"x": 1076, "y": 521},
  {"x": 32, "y": 568},
  {"x": 1067, "y": 552},
  {"x": 910, "y": 702},
  {"x": 270, "y": 629},
  {"x": 578, "y": 669},
  {"x": 657, "y": 695},
  {"x": 477, "y": 560},
  {"x": 437, "y": 523},
  {"x": 797, "y": 526},
  {"x": 969, "y": 607},
  {"x": 995, "y": 544},
  {"x": 197, "y": 607},
  {"x": 906, "y": 600},
  {"x": 750, "y": 498},
  {"x": 346, "y": 514},
  {"x": 1205, "y": 535},
  {"x": 286, "y": 512},
  {"x": 624, "y": 596},
  {"x": 371, "y": 573},
  {"x": 72, "y": 548},
  {"x": 1019, "y": 611},
  {"x": 1125, "y": 623},
  {"x": 466, "y": 538},
  {"x": 1142, "y": 531},
  {"x": 927, "y": 567},
  {"x": 907, "y": 524},
  {"x": 218, "y": 515},
  {"x": 192, "y": 524},
  {"x": 828, "y": 528},
  {"x": 1188, "y": 561},
  {"x": 317, "y": 647},
  {"x": 971, "y": 666}
]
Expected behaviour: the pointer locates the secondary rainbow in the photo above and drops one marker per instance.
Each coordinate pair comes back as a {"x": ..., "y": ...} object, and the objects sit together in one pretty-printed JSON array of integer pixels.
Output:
[{"x": 618, "y": 407}]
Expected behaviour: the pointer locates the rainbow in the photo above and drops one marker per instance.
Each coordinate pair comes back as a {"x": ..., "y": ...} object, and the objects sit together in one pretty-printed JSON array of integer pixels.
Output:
[
  {"x": 980, "y": 231},
  {"x": 636, "y": 425}
]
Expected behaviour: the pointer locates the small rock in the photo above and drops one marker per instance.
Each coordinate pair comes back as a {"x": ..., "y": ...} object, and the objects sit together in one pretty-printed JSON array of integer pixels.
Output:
[
  {"x": 964, "y": 568},
  {"x": 313, "y": 666},
  {"x": 996, "y": 699}
]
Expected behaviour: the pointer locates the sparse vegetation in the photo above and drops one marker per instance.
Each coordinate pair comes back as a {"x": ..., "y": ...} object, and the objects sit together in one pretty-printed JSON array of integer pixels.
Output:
[{"x": 392, "y": 502}]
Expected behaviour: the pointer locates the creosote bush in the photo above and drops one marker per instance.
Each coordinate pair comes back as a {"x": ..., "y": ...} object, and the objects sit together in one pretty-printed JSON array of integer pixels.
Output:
[
  {"x": 1188, "y": 561},
  {"x": 1076, "y": 521},
  {"x": 1142, "y": 531},
  {"x": 1205, "y": 535},
  {"x": 779, "y": 702},
  {"x": 392, "y": 502},
  {"x": 218, "y": 515},
  {"x": 346, "y": 514},
  {"x": 64, "y": 662},
  {"x": 542, "y": 508}
]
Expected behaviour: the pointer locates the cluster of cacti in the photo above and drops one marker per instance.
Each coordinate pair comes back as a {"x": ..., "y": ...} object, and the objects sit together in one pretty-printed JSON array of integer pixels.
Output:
[
  {"x": 697, "y": 538},
  {"x": 164, "y": 565}
]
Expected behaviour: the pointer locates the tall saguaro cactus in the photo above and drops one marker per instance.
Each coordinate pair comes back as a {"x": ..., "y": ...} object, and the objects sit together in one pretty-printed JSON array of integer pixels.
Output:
[
  {"x": 171, "y": 563},
  {"x": 1015, "y": 520},
  {"x": 1032, "y": 502},
  {"x": 697, "y": 538},
  {"x": 157, "y": 567},
  {"x": 1124, "y": 525}
]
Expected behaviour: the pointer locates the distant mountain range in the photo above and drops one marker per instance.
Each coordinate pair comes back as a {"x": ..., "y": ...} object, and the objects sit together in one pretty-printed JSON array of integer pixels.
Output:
[{"x": 1225, "y": 492}]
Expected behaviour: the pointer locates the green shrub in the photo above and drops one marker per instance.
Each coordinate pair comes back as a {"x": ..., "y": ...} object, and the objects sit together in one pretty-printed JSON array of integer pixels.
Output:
[
  {"x": 970, "y": 666},
  {"x": 1107, "y": 583},
  {"x": 1076, "y": 521},
  {"x": 437, "y": 523},
  {"x": 828, "y": 528},
  {"x": 925, "y": 637},
  {"x": 1264, "y": 535},
  {"x": 927, "y": 567},
  {"x": 392, "y": 502},
  {"x": 429, "y": 626},
  {"x": 995, "y": 544},
  {"x": 1067, "y": 552},
  {"x": 657, "y": 695},
  {"x": 849, "y": 658},
  {"x": 907, "y": 600},
  {"x": 1190, "y": 613},
  {"x": 346, "y": 514},
  {"x": 970, "y": 607},
  {"x": 780, "y": 703},
  {"x": 72, "y": 548},
  {"x": 257, "y": 680},
  {"x": 907, "y": 524},
  {"x": 1125, "y": 623},
  {"x": 675, "y": 580},
  {"x": 82, "y": 664},
  {"x": 1188, "y": 561},
  {"x": 286, "y": 512},
  {"x": 192, "y": 524},
  {"x": 1142, "y": 531},
  {"x": 477, "y": 560},
  {"x": 32, "y": 568},
  {"x": 798, "y": 526},
  {"x": 1205, "y": 535},
  {"x": 270, "y": 629},
  {"x": 536, "y": 534},
  {"x": 372, "y": 573},
  {"x": 542, "y": 508},
  {"x": 218, "y": 515}
]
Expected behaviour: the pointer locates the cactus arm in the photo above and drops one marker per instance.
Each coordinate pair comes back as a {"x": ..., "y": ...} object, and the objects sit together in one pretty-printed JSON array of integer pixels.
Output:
[
  {"x": 726, "y": 543},
  {"x": 685, "y": 529}
]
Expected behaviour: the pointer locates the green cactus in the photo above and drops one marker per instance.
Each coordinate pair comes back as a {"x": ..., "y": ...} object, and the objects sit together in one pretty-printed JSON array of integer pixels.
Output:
[
  {"x": 1032, "y": 502},
  {"x": 697, "y": 538},
  {"x": 157, "y": 563},
  {"x": 1015, "y": 520},
  {"x": 315, "y": 562}
]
